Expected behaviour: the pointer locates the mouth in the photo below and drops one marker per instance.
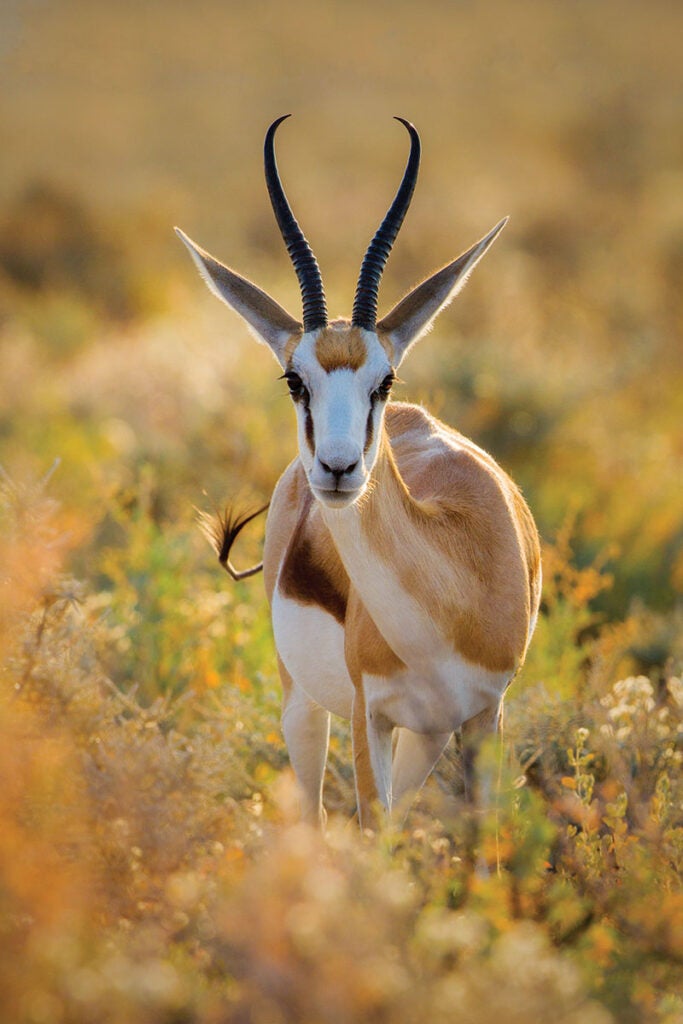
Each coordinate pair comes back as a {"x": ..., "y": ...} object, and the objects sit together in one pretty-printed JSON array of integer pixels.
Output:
[{"x": 336, "y": 499}]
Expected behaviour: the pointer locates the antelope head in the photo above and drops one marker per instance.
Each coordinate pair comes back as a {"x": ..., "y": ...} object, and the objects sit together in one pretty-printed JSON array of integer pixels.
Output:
[{"x": 339, "y": 373}]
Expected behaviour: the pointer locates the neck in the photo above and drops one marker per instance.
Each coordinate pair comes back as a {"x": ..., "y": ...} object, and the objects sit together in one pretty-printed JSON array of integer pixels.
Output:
[
  {"x": 388, "y": 554},
  {"x": 382, "y": 525}
]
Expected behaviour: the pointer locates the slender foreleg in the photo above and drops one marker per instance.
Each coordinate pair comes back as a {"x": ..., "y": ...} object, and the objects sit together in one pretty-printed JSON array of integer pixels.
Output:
[
  {"x": 306, "y": 728},
  {"x": 372, "y": 760}
]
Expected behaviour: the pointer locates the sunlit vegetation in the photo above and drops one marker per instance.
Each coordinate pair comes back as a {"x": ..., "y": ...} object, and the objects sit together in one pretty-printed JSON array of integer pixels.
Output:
[{"x": 152, "y": 868}]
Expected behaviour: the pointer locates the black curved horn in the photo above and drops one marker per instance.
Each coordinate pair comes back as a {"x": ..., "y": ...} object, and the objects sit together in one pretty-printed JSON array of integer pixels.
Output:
[
  {"x": 300, "y": 252},
  {"x": 374, "y": 261}
]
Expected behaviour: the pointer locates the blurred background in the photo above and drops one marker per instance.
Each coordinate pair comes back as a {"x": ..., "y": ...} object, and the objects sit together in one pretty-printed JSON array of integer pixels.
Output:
[
  {"x": 143, "y": 769},
  {"x": 564, "y": 354}
]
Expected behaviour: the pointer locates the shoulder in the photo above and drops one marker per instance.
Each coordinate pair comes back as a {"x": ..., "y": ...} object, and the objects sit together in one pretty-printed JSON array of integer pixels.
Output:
[
  {"x": 291, "y": 488},
  {"x": 438, "y": 462},
  {"x": 404, "y": 417}
]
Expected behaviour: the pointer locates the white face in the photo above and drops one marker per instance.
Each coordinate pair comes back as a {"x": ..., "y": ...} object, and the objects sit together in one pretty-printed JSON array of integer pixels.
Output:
[{"x": 340, "y": 404}]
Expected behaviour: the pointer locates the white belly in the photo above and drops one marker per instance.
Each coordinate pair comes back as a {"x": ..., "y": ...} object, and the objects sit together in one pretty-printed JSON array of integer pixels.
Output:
[{"x": 311, "y": 644}]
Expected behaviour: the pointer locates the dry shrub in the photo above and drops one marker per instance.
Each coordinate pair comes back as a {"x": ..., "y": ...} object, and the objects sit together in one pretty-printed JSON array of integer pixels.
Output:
[
  {"x": 102, "y": 799},
  {"x": 150, "y": 869},
  {"x": 337, "y": 932}
]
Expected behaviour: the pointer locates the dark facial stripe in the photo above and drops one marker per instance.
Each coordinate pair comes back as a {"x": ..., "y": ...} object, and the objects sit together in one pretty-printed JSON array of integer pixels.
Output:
[
  {"x": 370, "y": 429},
  {"x": 310, "y": 432}
]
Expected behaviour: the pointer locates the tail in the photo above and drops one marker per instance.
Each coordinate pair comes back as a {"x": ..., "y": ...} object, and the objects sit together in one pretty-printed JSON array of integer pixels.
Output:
[{"x": 221, "y": 530}]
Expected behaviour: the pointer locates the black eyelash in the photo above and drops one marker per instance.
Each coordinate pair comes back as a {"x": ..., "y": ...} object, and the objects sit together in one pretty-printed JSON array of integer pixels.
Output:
[
  {"x": 297, "y": 388},
  {"x": 382, "y": 392}
]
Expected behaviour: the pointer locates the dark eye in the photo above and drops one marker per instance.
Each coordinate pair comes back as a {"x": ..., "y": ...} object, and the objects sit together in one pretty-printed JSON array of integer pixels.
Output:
[
  {"x": 297, "y": 388},
  {"x": 382, "y": 392}
]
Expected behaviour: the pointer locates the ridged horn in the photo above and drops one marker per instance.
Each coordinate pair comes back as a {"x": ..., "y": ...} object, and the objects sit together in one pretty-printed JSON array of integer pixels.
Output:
[
  {"x": 365, "y": 302},
  {"x": 300, "y": 252}
]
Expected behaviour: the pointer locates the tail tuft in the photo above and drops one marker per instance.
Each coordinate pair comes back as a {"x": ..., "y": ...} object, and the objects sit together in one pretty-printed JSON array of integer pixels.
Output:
[{"x": 221, "y": 530}]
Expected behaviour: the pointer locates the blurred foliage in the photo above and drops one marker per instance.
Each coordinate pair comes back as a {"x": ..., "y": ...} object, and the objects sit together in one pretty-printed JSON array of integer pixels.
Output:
[
  {"x": 151, "y": 864},
  {"x": 181, "y": 886},
  {"x": 63, "y": 270}
]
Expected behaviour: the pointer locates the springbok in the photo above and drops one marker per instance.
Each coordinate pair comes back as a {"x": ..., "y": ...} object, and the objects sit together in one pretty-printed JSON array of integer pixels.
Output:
[{"x": 401, "y": 563}]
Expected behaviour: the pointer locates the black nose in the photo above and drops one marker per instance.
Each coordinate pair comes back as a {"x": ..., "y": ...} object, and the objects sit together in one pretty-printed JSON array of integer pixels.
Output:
[{"x": 338, "y": 471}]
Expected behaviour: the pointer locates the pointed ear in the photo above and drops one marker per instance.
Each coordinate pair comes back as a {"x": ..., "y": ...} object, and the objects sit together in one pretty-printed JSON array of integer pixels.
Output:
[
  {"x": 415, "y": 314},
  {"x": 266, "y": 318}
]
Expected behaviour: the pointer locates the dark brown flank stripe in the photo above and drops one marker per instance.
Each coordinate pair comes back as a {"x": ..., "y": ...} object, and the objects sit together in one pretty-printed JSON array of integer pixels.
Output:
[{"x": 312, "y": 572}]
